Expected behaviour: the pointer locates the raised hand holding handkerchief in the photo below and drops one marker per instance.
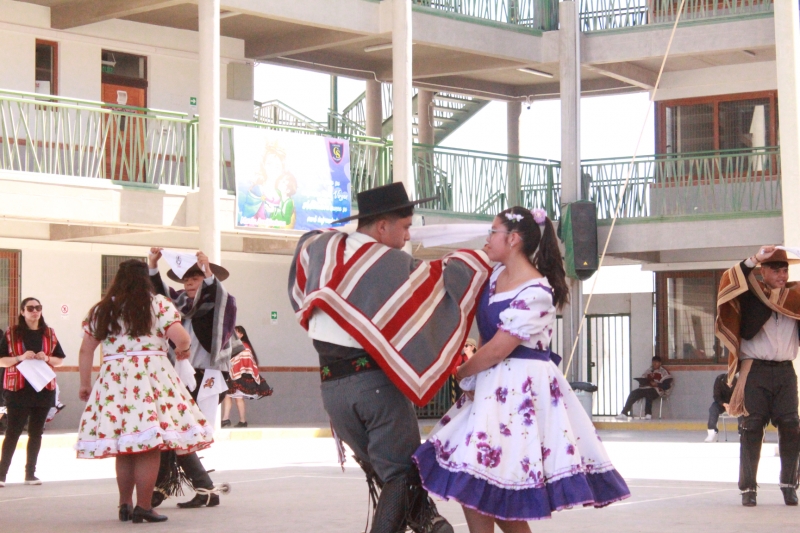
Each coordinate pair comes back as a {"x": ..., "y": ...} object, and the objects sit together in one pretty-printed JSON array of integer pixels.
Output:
[{"x": 179, "y": 262}]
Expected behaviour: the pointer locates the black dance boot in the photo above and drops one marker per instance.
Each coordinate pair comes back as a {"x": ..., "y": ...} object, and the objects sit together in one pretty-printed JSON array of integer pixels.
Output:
[
  {"x": 789, "y": 495},
  {"x": 209, "y": 499},
  {"x": 146, "y": 515},
  {"x": 423, "y": 517},
  {"x": 749, "y": 498},
  {"x": 390, "y": 513}
]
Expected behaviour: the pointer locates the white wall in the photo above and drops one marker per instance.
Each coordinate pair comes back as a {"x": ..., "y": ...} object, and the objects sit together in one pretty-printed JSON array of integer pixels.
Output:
[
  {"x": 728, "y": 79},
  {"x": 60, "y": 273},
  {"x": 17, "y": 62},
  {"x": 172, "y": 57},
  {"x": 79, "y": 70}
]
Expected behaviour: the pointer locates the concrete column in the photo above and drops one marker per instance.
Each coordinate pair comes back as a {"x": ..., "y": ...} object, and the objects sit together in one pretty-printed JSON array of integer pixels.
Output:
[
  {"x": 425, "y": 116},
  {"x": 570, "y": 73},
  {"x": 401, "y": 95},
  {"x": 333, "y": 119},
  {"x": 209, "y": 144},
  {"x": 787, "y": 33},
  {"x": 513, "y": 111},
  {"x": 374, "y": 109}
]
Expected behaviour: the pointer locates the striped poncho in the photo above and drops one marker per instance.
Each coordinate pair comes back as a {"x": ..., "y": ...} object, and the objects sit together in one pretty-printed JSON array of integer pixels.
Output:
[{"x": 412, "y": 317}]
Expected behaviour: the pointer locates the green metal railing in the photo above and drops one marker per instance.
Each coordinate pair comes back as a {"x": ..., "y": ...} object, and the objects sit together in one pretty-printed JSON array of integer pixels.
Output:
[
  {"x": 71, "y": 137},
  {"x": 702, "y": 183},
  {"x": 599, "y": 15},
  {"x": 278, "y": 113},
  {"x": 535, "y": 14},
  {"x": 468, "y": 181}
]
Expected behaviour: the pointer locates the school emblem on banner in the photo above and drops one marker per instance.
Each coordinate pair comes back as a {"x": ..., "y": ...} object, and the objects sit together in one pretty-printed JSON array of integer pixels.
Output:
[{"x": 337, "y": 151}]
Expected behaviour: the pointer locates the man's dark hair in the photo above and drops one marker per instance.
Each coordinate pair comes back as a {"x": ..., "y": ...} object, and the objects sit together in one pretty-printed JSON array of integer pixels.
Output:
[
  {"x": 656, "y": 358},
  {"x": 390, "y": 216},
  {"x": 776, "y": 265}
]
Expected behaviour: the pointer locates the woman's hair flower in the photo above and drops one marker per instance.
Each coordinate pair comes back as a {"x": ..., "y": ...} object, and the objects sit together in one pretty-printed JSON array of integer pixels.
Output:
[
  {"x": 539, "y": 215},
  {"x": 514, "y": 217}
]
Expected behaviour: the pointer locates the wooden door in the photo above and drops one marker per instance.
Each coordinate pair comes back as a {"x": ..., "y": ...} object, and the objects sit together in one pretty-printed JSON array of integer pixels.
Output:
[{"x": 124, "y": 135}]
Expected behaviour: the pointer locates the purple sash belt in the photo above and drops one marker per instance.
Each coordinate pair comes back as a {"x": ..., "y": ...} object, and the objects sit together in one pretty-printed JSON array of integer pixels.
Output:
[{"x": 523, "y": 352}]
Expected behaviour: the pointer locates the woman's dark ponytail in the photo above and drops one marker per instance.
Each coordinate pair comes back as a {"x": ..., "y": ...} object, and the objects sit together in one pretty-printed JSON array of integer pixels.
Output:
[
  {"x": 547, "y": 260},
  {"x": 540, "y": 245}
]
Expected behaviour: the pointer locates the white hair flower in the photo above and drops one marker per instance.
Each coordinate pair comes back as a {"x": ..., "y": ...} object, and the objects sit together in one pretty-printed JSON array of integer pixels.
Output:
[
  {"x": 514, "y": 217},
  {"x": 539, "y": 215}
]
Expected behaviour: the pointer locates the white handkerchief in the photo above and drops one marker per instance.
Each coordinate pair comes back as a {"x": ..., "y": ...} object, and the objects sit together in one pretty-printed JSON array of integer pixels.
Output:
[
  {"x": 208, "y": 394},
  {"x": 185, "y": 371},
  {"x": 439, "y": 234},
  {"x": 795, "y": 251},
  {"x": 37, "y": 373},
  {"x": 179, "y": 262}
]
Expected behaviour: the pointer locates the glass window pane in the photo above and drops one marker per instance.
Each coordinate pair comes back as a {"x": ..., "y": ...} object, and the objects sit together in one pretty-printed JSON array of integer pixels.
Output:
[
  {"x": 122, "y": 64},
  {"x": 110, "y": 266},
  {"x": 44, "y": 62},
  {"x": 744, "y": 124},
  {"x": 689, "y": 128},
  {"x": 691, "y": 310}
]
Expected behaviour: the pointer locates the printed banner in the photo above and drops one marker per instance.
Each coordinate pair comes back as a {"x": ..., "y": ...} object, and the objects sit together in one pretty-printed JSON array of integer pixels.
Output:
[{"x": 290, "y": 180}]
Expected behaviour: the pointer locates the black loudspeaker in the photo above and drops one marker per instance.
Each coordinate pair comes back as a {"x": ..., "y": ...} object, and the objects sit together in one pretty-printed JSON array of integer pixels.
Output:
[{"x": 578, "y": 231}]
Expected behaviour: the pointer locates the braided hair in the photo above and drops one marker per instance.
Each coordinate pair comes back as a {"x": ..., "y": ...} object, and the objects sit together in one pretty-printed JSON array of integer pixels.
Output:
[{"x": 540, "y": 246}]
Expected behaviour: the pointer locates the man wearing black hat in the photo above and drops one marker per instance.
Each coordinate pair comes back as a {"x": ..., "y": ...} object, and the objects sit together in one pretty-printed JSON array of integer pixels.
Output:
[
  {"x": 209, "y": 315},
  {"x": 757, "y": 320},
  {"x": 348, "y": 291}
]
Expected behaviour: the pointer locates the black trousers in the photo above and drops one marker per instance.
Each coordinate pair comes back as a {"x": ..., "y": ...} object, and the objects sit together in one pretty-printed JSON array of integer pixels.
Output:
[
  {"x": 648, "y": 393},
  {"x": 713, "y": 416},
  {"x": 17, "y": 417},
  {"x": 770, "y": 395}
]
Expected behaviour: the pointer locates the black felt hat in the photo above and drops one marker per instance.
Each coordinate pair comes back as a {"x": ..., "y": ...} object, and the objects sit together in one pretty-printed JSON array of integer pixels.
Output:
[{"x": 382, "y": 200}]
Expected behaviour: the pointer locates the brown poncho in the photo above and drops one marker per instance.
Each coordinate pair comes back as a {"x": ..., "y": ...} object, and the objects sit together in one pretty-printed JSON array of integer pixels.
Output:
[{"x": 785, "y": 301}]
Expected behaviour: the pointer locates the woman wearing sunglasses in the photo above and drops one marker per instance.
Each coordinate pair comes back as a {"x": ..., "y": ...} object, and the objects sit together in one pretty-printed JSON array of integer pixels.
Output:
[{"x": 29, "y": 338}]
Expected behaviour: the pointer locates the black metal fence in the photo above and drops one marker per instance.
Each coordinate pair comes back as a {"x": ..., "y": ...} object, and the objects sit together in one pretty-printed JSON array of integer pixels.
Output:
[
  {"x": 439, "y": 404},
  {"x": 609, "y": 361}
]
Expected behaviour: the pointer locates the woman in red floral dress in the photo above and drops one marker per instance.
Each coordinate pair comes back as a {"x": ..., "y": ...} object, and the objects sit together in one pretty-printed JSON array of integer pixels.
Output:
[{"x": 138, "y": 405}]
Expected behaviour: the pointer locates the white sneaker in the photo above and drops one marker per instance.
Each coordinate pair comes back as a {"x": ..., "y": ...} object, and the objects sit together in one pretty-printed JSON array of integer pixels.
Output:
[
  {"x": 648, "y": 417},
  {"x": 622, "y": 416},
  {"x": 713, "y": 436}
]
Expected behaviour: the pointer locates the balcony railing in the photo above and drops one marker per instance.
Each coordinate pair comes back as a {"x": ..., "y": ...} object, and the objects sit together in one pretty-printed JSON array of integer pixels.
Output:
[
  {"x": 670, "y": 185},
  {"x": 69, "y": 137},
  {"x": 535, "y": 14},
  {"x": 599, "y": 15},
  {"x": 474, "y": 182}
]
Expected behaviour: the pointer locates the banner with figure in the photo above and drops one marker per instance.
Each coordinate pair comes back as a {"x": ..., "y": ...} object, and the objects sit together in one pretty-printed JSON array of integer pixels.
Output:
[{"x": 290, "y": 180}]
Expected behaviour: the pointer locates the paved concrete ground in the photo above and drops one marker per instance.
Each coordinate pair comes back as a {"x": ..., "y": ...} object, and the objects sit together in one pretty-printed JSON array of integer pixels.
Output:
[{"x": 292, "y": 484}]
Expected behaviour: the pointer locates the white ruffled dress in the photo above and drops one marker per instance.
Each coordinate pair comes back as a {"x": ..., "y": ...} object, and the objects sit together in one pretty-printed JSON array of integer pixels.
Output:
[
  {"x": 138, "y": 402},
  {"x": 525, "y": 446}
]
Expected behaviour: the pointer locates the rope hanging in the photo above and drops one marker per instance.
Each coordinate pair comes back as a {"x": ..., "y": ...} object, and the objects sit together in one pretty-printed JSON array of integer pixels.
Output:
[{"x": 624, "y": 188}]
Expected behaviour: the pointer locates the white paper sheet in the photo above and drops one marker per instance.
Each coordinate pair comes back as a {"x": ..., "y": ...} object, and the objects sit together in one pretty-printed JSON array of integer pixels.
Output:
[
  {"x": 36, "y": 372},
  {"x": 440, "y": 234},
  {"x": 179, "y": 262}
]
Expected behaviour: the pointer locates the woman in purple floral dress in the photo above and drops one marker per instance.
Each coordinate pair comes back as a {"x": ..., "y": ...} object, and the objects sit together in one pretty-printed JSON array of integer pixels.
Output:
[
  {"x": 524, "y": 446},
  {"x": 138, "y": 405}
]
